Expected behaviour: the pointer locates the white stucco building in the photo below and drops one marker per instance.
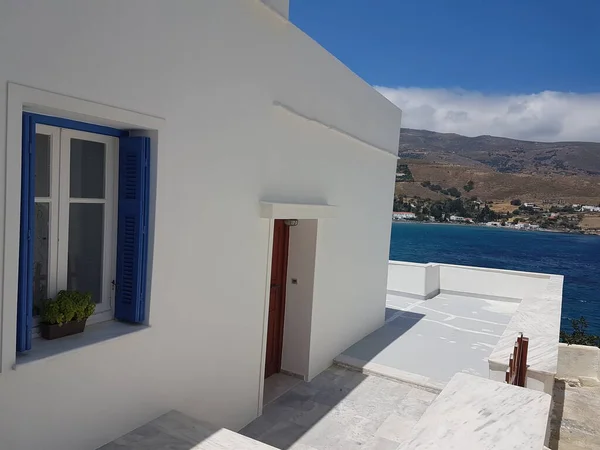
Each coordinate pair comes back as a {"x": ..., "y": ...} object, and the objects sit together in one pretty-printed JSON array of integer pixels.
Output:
[
  {"x": 590, "y": 208},
  {"x": 403, "y": 215},
  {"x": 151, "y": 152}
]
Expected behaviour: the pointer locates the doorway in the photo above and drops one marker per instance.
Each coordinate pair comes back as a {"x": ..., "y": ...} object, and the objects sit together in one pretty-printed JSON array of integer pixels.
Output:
[{"x": 276, "y": 318}]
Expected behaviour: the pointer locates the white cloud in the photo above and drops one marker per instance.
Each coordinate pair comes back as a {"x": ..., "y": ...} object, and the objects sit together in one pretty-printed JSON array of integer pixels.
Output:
[{"x": 546, "y": 116}]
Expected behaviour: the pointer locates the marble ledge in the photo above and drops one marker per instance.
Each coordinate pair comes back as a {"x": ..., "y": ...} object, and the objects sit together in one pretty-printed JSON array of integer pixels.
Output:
[
  {"x": 538, "y": 318},
  {"x": 478, "y": 414}
]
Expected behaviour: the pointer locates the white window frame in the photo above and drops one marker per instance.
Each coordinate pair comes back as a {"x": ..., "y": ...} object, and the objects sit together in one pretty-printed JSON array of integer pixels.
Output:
[
  {"x": 60, "y": 202},
  {"x": 54, "y": 135}
]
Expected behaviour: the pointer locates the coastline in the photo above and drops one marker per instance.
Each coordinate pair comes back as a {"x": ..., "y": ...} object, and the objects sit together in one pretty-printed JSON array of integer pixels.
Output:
[{"x": 479, "y": 225}]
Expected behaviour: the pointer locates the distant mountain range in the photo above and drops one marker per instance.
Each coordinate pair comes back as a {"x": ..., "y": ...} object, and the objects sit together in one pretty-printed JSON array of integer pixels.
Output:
[
  {"x": 501, "y": 154},
  {"x": 501, "y": 169}
]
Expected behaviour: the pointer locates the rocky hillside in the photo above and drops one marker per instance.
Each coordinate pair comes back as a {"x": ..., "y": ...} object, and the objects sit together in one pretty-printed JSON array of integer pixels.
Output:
[
  {"x": 502, "y": 154},
  {"x": 500, "y": 168}
]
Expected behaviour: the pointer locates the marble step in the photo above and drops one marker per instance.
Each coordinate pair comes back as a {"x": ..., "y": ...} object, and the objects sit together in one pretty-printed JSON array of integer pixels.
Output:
[
  {"x": 477, "y": 414},
  {"x": 175, "y": 430}
]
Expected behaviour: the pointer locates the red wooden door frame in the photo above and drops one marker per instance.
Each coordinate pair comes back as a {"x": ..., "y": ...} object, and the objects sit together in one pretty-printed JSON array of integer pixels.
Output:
[{"x": 279, "y": 261}]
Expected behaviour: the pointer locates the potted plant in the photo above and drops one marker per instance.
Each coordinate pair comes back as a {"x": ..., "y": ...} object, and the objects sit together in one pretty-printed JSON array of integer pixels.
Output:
[{"x": 66, "y": 314}]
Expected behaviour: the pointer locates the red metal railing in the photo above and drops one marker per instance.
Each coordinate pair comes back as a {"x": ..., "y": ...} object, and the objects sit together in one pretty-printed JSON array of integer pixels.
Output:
[{"x": 516, "y": 374}]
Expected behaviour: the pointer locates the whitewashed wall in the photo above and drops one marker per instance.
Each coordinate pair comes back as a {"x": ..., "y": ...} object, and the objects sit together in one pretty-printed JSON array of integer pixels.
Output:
[
  {"x": 299, "y": 297},
  {"x": 213, "y": 71},
  {"x": 491, "y": 282},
  {"x": 419, "y": 280},
  {"x": 423, "y": 280}
]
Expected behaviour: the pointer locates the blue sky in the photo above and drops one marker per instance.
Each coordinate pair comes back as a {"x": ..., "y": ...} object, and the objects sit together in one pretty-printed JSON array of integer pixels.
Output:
[{"x": 516, "y": 56}]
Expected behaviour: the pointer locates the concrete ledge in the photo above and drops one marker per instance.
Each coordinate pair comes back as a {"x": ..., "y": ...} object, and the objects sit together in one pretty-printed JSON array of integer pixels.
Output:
[
  {"x": 275, "y": 210},
  {"x": 579, "y": 364},
  {"x": 95, "y": 334},
  {"x": 428, "y": 296},
  {"x": 370, "y": 368},
  {"x": 481, "y": 296}
]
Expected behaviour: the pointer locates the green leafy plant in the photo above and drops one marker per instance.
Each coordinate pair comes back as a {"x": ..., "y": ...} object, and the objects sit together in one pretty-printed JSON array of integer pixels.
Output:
[
  {"x": 578, "y": 335},
  {"x": 68, "y": 306}
]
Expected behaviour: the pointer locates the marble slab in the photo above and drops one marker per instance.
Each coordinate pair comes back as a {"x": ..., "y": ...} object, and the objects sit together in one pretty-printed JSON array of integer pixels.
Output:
[
  {"x": 475, "y": 413},
  {"x": 538, "y": 318}
]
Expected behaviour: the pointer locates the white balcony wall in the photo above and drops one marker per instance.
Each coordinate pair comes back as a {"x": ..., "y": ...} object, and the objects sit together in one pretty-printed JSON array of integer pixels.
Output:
[
  {"x": 252, "y": 109},
  {"x": 425, "y": 280},
  {"x": 419, "y": 280},
  {"x": 491, "y": 282}
]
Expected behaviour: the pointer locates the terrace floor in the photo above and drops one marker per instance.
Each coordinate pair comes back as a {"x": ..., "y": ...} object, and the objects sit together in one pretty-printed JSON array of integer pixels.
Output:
[
  {"x": 428, "y": 341},
  {"x": 341, "y": 409}
]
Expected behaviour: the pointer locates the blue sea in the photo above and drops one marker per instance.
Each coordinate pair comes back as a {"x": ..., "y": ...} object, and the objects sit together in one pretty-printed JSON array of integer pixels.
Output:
[{"x": 575, "y": 256}]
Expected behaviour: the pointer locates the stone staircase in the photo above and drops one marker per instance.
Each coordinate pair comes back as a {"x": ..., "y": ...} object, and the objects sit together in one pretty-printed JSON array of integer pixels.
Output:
[
  {"x": 175, "y": 430},
  {"x": 343, "y": 409}
]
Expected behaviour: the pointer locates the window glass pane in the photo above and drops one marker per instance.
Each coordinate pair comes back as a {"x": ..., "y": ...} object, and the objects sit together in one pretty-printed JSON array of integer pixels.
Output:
[
  {"x": 87, "y": 169},
  {"x": 86, "y": 243},
  {"x": 40, "y": 255},
  {"x": 42, "y": 165}
]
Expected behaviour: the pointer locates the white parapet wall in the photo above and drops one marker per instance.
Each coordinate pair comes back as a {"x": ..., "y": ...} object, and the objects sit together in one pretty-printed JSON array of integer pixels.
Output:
[
  {"x": 427, "y": 280},
  {"x": 491, "y": 283},
  {"x": 579, "y": 363},
  {"x": 415, "y": 280},
  {"x": 537, "y": 317}
]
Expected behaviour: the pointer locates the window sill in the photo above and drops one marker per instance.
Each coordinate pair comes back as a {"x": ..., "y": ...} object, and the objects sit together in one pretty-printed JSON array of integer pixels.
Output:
[{"x": 42, "y": 349}]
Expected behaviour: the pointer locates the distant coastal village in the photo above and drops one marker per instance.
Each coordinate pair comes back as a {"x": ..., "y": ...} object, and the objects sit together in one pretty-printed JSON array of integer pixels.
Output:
[
  {"x": 498, "y": 182},
  {"x": 525, "y": 216},
  {"x": 460, "y": 208}
]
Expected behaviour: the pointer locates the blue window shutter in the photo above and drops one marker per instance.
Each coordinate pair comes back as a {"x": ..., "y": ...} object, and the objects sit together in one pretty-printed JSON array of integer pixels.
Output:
[
  {"x": 25, "y": 287},
  {"x": 132, "y": 234}
]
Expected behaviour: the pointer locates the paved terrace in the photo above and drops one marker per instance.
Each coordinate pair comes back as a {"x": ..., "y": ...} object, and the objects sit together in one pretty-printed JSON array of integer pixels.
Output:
[
  {"x": 341, "y": 409},
  {"x": 428, "y": 341}
]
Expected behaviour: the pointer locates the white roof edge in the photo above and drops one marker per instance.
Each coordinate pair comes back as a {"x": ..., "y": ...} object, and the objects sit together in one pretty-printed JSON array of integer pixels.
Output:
[
  {"x": 275, "y": 210},
  {"x": 290, "y": 110},
  {"x": 281, "y": 8}
]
